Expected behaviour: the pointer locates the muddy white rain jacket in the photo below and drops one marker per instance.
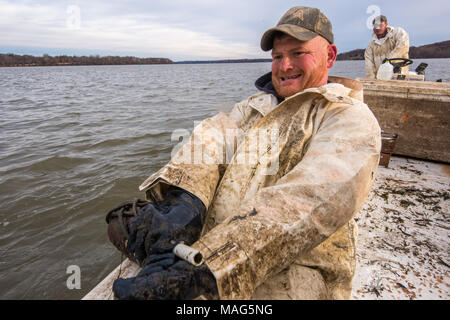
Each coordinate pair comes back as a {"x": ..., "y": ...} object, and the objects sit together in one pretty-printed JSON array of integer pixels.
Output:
[
  {"x": 282, "y": 184},
  {"x": 394, "y": 45}
]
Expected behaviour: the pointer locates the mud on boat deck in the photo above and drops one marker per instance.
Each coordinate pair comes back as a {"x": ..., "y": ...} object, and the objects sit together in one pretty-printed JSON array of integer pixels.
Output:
[{"x": 404, "y": 239}]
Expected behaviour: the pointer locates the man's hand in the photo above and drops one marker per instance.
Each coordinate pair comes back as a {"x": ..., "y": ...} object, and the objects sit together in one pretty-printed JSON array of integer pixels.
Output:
[
  {"x": 162, "y": 279},
  {"x": 158, "y": 226},
  {"x": 162, "y": 225}
]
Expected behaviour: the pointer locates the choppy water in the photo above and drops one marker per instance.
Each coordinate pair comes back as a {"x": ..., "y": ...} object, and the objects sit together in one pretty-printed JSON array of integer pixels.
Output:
[{"x": 76, "y": 141}]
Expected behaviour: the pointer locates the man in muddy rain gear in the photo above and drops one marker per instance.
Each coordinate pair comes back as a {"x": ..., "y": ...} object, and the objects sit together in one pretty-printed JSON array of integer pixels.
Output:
[
  {"x": 387, "y": 42},
  {"x": 267, "y": 192}
]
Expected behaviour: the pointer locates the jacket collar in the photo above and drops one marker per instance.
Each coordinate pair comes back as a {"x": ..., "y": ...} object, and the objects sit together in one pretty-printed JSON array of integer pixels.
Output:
[{"x": 264, "y": 83}]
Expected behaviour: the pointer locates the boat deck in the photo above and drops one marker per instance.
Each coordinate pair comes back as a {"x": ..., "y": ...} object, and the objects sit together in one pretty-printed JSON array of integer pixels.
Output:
[{"x": 404, "y": 239}]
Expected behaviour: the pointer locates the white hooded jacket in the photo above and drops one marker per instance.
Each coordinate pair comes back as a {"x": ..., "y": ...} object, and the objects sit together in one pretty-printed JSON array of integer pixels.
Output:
[
  {"x": 394, "y": 45},
  {"x": 284, "y": 207}
]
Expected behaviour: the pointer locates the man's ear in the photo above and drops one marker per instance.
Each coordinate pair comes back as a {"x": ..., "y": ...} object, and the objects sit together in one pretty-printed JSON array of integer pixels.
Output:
[{"x": 332, "y": 54}]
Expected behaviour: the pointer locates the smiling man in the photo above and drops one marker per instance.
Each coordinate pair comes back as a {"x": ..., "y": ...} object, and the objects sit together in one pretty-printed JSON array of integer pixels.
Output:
[
  {"x": 284, "y": 233},
  {"x": 298, "y": 65}
]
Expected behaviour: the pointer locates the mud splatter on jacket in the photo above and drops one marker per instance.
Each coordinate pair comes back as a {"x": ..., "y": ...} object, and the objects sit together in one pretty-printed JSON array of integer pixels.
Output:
[{"x": 288, "y": 203}]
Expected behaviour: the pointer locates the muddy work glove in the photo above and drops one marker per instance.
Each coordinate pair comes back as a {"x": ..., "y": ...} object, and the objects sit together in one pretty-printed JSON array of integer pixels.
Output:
[
  {"x": 166, "y": 277},
  {"x": 140, "y": 229}
]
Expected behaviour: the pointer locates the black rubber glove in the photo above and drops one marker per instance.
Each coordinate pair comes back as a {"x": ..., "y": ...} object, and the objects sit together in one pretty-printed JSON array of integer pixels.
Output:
[
  {"x": 119, "y": 220},
  {"x": 162, "y": 279},
  {"x": 157, "y": 227}
]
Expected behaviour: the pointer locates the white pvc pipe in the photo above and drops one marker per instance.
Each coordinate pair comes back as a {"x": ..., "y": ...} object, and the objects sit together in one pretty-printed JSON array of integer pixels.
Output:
[{"x": 188, "y": 254}]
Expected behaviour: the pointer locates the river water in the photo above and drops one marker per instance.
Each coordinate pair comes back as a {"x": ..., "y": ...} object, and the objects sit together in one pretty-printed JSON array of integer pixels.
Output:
[{"x": 77, "y": 141}]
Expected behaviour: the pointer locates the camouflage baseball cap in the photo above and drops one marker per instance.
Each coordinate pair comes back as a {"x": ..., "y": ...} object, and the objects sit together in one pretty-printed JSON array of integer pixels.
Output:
[
  {"x": 379, "y": 20},
  {"x": 302, "y": 23}
]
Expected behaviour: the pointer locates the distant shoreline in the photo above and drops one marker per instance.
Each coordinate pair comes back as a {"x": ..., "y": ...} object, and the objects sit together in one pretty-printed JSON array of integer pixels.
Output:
[
  {"x": 429, "y": 51},
  {"x": 14, "y": 60},
  {"x": 184, "y": 62}
]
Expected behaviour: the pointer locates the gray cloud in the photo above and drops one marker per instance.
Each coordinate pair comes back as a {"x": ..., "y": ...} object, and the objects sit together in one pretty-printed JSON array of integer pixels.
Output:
[{"x": 197, "y": 29}]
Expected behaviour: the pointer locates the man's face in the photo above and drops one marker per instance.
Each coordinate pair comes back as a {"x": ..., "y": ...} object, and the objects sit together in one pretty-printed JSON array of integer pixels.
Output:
[
  {"x": 380, "y": 28},
  {"x": 298, "y": 65}
]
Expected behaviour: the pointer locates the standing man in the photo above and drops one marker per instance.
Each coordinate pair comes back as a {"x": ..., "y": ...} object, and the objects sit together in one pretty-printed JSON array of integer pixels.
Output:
[
  {"x": 272, "y": 221},
  {"x": 387, "y": 42}
]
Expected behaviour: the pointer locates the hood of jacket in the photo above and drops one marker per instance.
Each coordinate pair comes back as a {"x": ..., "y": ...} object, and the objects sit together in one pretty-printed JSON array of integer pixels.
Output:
[{"x": 389, "y": 33}]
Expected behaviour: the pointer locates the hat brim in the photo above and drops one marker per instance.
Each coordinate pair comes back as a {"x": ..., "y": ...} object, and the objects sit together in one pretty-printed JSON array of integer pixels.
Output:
[{"x": 296, "y": 32}]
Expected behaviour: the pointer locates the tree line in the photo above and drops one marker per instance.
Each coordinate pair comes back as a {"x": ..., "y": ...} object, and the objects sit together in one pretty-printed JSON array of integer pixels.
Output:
[
  {"x": 434, "y": 50},
  {"x": 14, "y": 60}
]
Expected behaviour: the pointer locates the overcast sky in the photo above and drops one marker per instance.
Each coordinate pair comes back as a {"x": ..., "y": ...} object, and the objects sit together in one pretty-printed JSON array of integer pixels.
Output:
[{"x": 196, "y": 29}]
